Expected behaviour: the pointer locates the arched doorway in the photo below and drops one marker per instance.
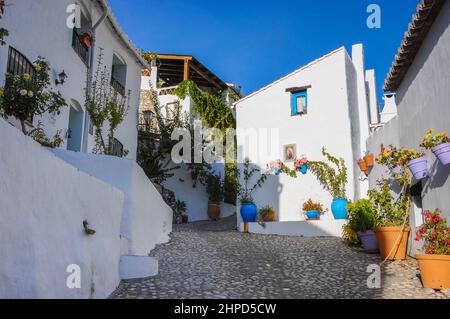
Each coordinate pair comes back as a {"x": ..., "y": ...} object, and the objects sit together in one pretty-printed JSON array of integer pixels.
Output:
[{"x": 75, "y": 130}]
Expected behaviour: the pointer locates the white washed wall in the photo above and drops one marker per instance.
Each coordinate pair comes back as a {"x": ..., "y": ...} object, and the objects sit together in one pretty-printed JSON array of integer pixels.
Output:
[
  {"x": 38, "y": 28},
  {"x": 423, "y": 104},
  {"x": 44, "y": 201},
  {"x": 146, "y": 218},
  {"x": 331, "y": 101}
]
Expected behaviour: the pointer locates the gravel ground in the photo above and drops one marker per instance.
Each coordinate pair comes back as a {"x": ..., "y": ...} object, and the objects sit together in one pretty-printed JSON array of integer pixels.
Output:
[{"x": 213, "y": 260}]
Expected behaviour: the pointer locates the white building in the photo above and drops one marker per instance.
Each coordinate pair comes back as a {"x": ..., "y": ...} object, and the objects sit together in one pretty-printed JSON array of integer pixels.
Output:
[
  {"x": 166, "y": 73},
  {"x": 420, "y": 79},
  {"x": 338, "y": 100},
  {"x": 39, "y": 28}
]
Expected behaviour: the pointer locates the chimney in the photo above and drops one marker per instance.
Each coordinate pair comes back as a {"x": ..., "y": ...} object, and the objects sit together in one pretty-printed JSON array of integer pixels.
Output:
[{"x": 390, "y": 108}]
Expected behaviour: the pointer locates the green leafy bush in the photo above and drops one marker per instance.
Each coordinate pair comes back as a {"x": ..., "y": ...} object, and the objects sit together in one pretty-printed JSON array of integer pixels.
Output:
[
  {"x": 390, "y": 211},
  {"x": 214, "y": 188},
  {"x": 362, "y": 215}
]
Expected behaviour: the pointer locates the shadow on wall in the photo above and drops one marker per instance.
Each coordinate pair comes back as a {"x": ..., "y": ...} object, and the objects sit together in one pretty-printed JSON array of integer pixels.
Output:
[
  {"x": 268, "y": 194},
  {"x": 439, "y": 176}
]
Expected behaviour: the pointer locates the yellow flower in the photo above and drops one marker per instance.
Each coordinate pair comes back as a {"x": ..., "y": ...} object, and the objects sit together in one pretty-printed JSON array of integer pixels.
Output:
[
  {"x": 26, "y": 76},
  {"x": 37, "y": 67}
]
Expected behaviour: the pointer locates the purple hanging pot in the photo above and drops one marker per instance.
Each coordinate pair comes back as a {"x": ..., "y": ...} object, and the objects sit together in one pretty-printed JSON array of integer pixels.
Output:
[
  {"x": 419, "y": 167},
  {"x": 442, "y": 152}
]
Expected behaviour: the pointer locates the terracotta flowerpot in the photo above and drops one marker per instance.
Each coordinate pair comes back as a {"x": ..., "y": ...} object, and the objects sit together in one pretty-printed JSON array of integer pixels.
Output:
[
  {"x": 435, "y": 271},
  {"x": 86, "y": 40},
  {"x": 270, "y": 217},
  {"x": 369, "y": 160},
  {"x": 389, "y": 242},
  {"x": 213, "y": 211},
  {"x": 363, "y": 166}
]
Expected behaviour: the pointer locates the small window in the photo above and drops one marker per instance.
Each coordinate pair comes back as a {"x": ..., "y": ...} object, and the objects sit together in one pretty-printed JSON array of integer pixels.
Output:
[{"x": 299, "y": 103}]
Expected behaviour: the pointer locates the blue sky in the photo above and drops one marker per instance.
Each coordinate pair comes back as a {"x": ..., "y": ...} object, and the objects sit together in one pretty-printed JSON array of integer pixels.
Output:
[{"x": 252, "y": 43}]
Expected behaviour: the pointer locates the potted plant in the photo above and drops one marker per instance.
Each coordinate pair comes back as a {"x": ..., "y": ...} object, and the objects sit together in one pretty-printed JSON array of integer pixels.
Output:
[
  {"x": 267, "y": 214},
  {"x": 333, "y": 180},
  {"x": 390, "y": 158},
  {"x": 434, "y": 264},
  {"x": 439, "y": 145},
  {"x": 301, "y": 164},
  {"x": 391, "y": 216},
  {"x": 277, "y": 167},
  {"x": 180, "y": 208},
  {"x": 416, "y": 161},
  {"x": 312, "y": 210},
  {"x": 249, "y": 211},
  {"x": 363, "y": 167},
  {"x": 362, "y": 217},
  {"x": 214, "y": 189}
]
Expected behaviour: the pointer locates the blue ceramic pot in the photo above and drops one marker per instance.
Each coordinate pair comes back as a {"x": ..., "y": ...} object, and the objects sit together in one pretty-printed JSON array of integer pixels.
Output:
[
  {"x": 277, "y": 171},
  {"x": 312, "y": 214},
  {"x": 304, "y": 169},
  {"x": 249, "y": 213},
  {"x": 339, "y": 208}
]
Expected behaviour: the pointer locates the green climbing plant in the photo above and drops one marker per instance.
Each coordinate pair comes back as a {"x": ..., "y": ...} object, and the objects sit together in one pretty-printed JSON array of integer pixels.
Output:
[
  {"x": 333, "y": 179},
  {"x": 3, "y": 32},
  {"x": 106, "y": 107}
]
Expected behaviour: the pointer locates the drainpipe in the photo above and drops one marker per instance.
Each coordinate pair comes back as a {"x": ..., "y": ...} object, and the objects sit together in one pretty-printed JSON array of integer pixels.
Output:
[{"x": 90, "y": 75}]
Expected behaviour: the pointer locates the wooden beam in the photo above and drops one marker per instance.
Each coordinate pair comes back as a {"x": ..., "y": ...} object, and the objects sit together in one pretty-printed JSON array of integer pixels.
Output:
[
  {"x": 205, "y": 76},
  {"x": 186, "y": 70},
  {"x": 174, "y": 57}
]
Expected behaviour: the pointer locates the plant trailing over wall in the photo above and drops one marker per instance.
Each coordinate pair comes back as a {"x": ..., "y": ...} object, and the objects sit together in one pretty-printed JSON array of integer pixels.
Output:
[
  {"x": 435, "y": 233},
  {"x": 246, "y": 190},
  {"x": 30, "y": 94},
  {"x": 180, "y": 209},
  {"x": 106, "y": 107},
  {"x": 333, "y": 180},
  {"x": 215, "y": 112},
  {"x": 390, "y": 211},
  {"x": 212, "y": 108}
]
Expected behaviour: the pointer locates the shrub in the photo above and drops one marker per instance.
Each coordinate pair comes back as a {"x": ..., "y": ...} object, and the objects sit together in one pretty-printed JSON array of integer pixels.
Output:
[
  {"x": 27, "y": 95},
  {"x": 361, "y": 215},
  {"x": 214, "y": 188},
  {"x": 435, "y": 233},
  {"x": 389, "y": 211}
]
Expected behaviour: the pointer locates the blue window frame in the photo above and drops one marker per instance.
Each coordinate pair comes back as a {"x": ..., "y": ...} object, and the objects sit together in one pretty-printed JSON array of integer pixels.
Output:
[{"x": 299, "y": 103}]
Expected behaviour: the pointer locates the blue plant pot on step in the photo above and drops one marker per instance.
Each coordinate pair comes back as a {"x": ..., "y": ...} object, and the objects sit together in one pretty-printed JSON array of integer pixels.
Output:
[
  {"x": 339, "y": 208},
  {"x": 312, "y": 214},
  {"x": 249, "y": 212}
]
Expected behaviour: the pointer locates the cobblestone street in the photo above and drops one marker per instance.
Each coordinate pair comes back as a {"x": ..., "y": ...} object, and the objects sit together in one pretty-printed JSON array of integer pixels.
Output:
[{"x": 213, "y": 260}]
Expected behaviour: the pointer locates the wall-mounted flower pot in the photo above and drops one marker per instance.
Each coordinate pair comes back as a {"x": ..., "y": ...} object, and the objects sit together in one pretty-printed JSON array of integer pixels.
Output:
[
  {"x": 419, "y": 167},
  {"x": 435, "y": 271},
  {"x": 277, "y": 171},
  {"x": 369, "y": 160},
  {"x": 86, "y": 40},
  {"x": 303, "y": 169},
  {"x": 363, "y": 167},
  {"x": 249, "y": 212},
  {"x": 391, "y": 247},
  {"x": 368, "y": 240},
  {"x": 442, "y": 152},
  {"x": 339, "y": 208},
  {"x": 213, "y": 211},
  {"x": 312, "y": 214}
]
